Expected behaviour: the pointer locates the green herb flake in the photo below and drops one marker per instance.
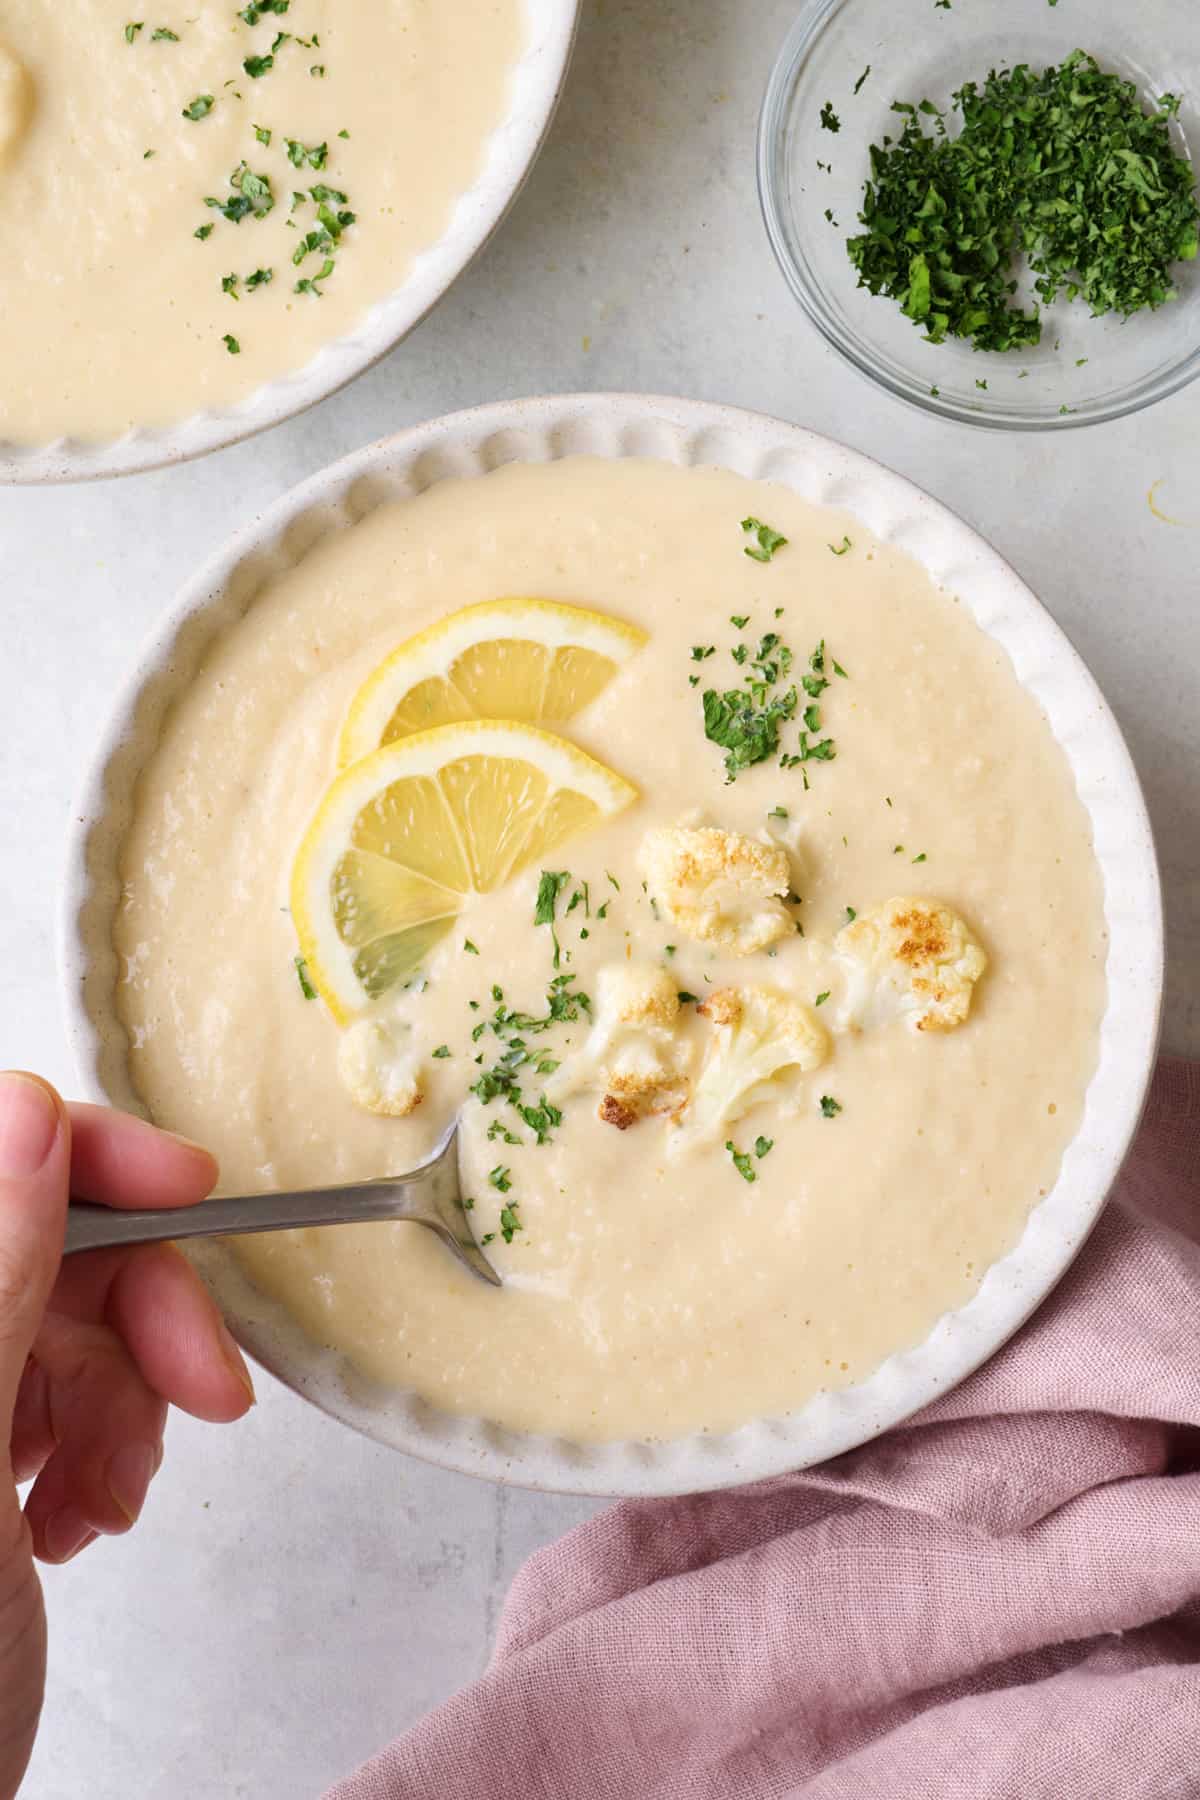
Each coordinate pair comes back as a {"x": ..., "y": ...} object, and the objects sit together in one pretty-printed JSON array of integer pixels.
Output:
[
  {"x": 741, "y": 1161},
  {"x": 510, "y": 1224},
  {"x": 500, "y": 1178},
  {"x": 258, "y": 8},
  {"x": 763, "y": 1147},
  {"x": 470, "y": 948},
  {"x": 766, "y": 541},
  {"x": 1062, "y": 166},
  {"x": 301, "y": 966},
  {"x": 701, "y": 651},
  {"x": 443, "y": 1050},
  {"x": 229, "y": 285},
  {"x": 231, "y": 344},
  {"x": 739, "y": 620},
  {"x": 200, "y": 107},
  {"x": 829, "y": 119},
  {"x": 830, "y": 1108},
  {"x": 851, "y": 915},
  {"x": 686, "y": 999},
  {"x": 919, "y": 859},
  {"x": 822, "y": 998},
  {"x": 841, "y": 549},
  {"x": 862, "y": 78},
  {"x": 163, "y": 35},
  {"x": 778, "y": 812},
  {"x": 203, "y": 231},
  {"x": 263, "y": 134},
  {"x": 132, "y": 29},
  {"x": 258, "y": 66}
]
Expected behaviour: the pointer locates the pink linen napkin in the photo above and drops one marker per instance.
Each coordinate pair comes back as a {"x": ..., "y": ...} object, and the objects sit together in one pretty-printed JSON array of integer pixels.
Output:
[{"x": 999, "y": 1600}]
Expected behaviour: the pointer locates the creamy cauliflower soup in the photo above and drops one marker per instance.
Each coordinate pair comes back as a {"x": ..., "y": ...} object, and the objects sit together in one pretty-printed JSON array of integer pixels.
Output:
[
  {"x": 209, "y": 193},
  {"x": 696, "y": 848}
]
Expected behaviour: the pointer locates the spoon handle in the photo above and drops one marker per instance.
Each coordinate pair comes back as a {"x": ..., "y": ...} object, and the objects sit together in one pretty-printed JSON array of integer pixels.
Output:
[{"x": 100, "y": 1227}]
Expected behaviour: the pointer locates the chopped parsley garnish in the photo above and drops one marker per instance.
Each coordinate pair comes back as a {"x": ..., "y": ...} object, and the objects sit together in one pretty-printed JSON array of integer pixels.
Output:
[
  {"x": 862, "y": 78},
  {"x": 252, "y": 195},
  {"x": 253, "y": 13},
  {"x": 829, "y": 119},
  {"x": 830, "y": 1108},
  {"x": 550, "y": 886},
  {"x": 442, "y": 1050},
  {"x": 822, "y": 998},
  {"x": 318, "y": 69},
  {"x": 509, "y": 1222},
  {"x": 162, "y": 35},
  {"x": 470, "y": 948},
  {"x": 919, "y": 859},
  {"x": 686, "y": 999},
  {"x": 498, "y": 1129},
  {"x": 746, "y": 730},
  {"x": 263, "y": 134},
  {"x": 701, "y": 651},
  {"x": 739, "y": 620},
  {"x": 259, "y": 278},
  {"x": 841, "y": 549},
  {"x": 778, "y": 812},
  {"x": 200, "y": 107},
  {"x": 609, "y": 876},
  {"x": 258, "y": 66},
  {"x": 1062, "y": 166},
  {"x": 851, "y": 915},
  {"x": 203, "y": 231},
  {"x": 308, "y": 285},
  {"x": 301, "y": 964},
  {"x": 762, "y": 1146},
  {"x": 766, "y": 541},
  {"x": 564, "y": 1005},
  {"x": 229, "y": 285},
  {"x": 231, "y": 344},
  {"x": 312, "y": 155},
  {"x": 741, "y": 1161},
  {"x": 132, "y": 29},
  {"x": 500, "y": 1178}
]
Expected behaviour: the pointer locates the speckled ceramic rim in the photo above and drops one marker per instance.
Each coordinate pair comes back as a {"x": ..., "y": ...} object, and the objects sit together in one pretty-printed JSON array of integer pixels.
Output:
[
  {"x": 686, "y": 433},
  {"x": 536, "y": 85}
]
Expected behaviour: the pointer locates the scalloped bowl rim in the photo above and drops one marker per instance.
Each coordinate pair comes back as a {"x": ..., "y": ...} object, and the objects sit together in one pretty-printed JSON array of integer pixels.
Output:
[
  {"x": 536, "y": 84},
  {"x": 688, "y": 433}
]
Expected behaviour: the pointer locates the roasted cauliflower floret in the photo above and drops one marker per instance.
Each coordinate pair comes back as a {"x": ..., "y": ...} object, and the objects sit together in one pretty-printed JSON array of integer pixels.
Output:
[
  {"x": 634, "y": 1055},
  {"x": 378, "y": 1068},
  {"x": 908, "y": 959},
  {"x": 762, "y": 1041},
  {"x": 717, "y": 886}
]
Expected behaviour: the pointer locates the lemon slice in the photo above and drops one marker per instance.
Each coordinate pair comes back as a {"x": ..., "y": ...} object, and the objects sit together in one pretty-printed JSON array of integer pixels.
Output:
[
  {"x": 536, "y": 660},
  {"x": 405, "y": 834}
]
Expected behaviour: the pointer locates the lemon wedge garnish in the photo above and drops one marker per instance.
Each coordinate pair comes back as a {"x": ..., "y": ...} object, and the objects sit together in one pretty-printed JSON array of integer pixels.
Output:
[
  {"x": 536, "y": 660},
  {"x": 406, "y": 834}
]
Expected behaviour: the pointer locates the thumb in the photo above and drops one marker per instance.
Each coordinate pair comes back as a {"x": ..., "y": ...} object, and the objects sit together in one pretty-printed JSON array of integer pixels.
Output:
[{"x": 35, "y": 1160}]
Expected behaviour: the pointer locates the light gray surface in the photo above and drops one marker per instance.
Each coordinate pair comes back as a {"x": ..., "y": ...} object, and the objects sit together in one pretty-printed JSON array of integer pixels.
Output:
[{"x": 296, "y": 1595}]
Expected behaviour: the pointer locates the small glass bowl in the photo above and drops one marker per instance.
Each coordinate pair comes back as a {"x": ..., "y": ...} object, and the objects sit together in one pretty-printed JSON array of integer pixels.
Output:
[{"x": 1085, "y": 370}]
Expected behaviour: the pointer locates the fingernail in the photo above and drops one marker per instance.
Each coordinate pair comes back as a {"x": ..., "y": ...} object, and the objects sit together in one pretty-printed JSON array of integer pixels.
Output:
[
  {"x": 29, "y": 1121},
  {"x": 130, "y": 1472},
  {"x": 65, "y": 1533},
  {"x": 233, "y": 1357}
]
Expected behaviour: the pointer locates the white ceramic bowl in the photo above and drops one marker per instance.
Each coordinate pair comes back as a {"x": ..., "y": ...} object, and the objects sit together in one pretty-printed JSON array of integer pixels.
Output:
[
  {"x": 688, "y": 433},
  {"x": 536, "y": 84}
]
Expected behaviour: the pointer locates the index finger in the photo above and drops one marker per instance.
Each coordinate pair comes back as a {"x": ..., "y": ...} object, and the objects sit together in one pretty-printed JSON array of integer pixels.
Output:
[{"x": 120, "y": 1161}]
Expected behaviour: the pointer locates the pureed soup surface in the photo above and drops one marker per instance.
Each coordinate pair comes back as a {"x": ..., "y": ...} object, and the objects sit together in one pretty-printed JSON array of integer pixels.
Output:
[
  {"x": 648, "y": 1291},
  {"x": 115, "y": 135}
]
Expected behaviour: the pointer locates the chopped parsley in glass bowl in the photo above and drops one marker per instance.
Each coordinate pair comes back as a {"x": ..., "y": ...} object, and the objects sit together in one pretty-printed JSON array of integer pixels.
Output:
[{"x": 901, "y": 207}]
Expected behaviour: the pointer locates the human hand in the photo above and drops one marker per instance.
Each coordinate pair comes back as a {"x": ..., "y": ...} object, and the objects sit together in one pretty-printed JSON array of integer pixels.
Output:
[{"x": 91, "y": 1353}]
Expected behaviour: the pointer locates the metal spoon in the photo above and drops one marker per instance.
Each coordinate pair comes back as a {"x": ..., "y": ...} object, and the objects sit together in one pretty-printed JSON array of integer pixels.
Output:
[{"x": 428, "y": 1195}]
